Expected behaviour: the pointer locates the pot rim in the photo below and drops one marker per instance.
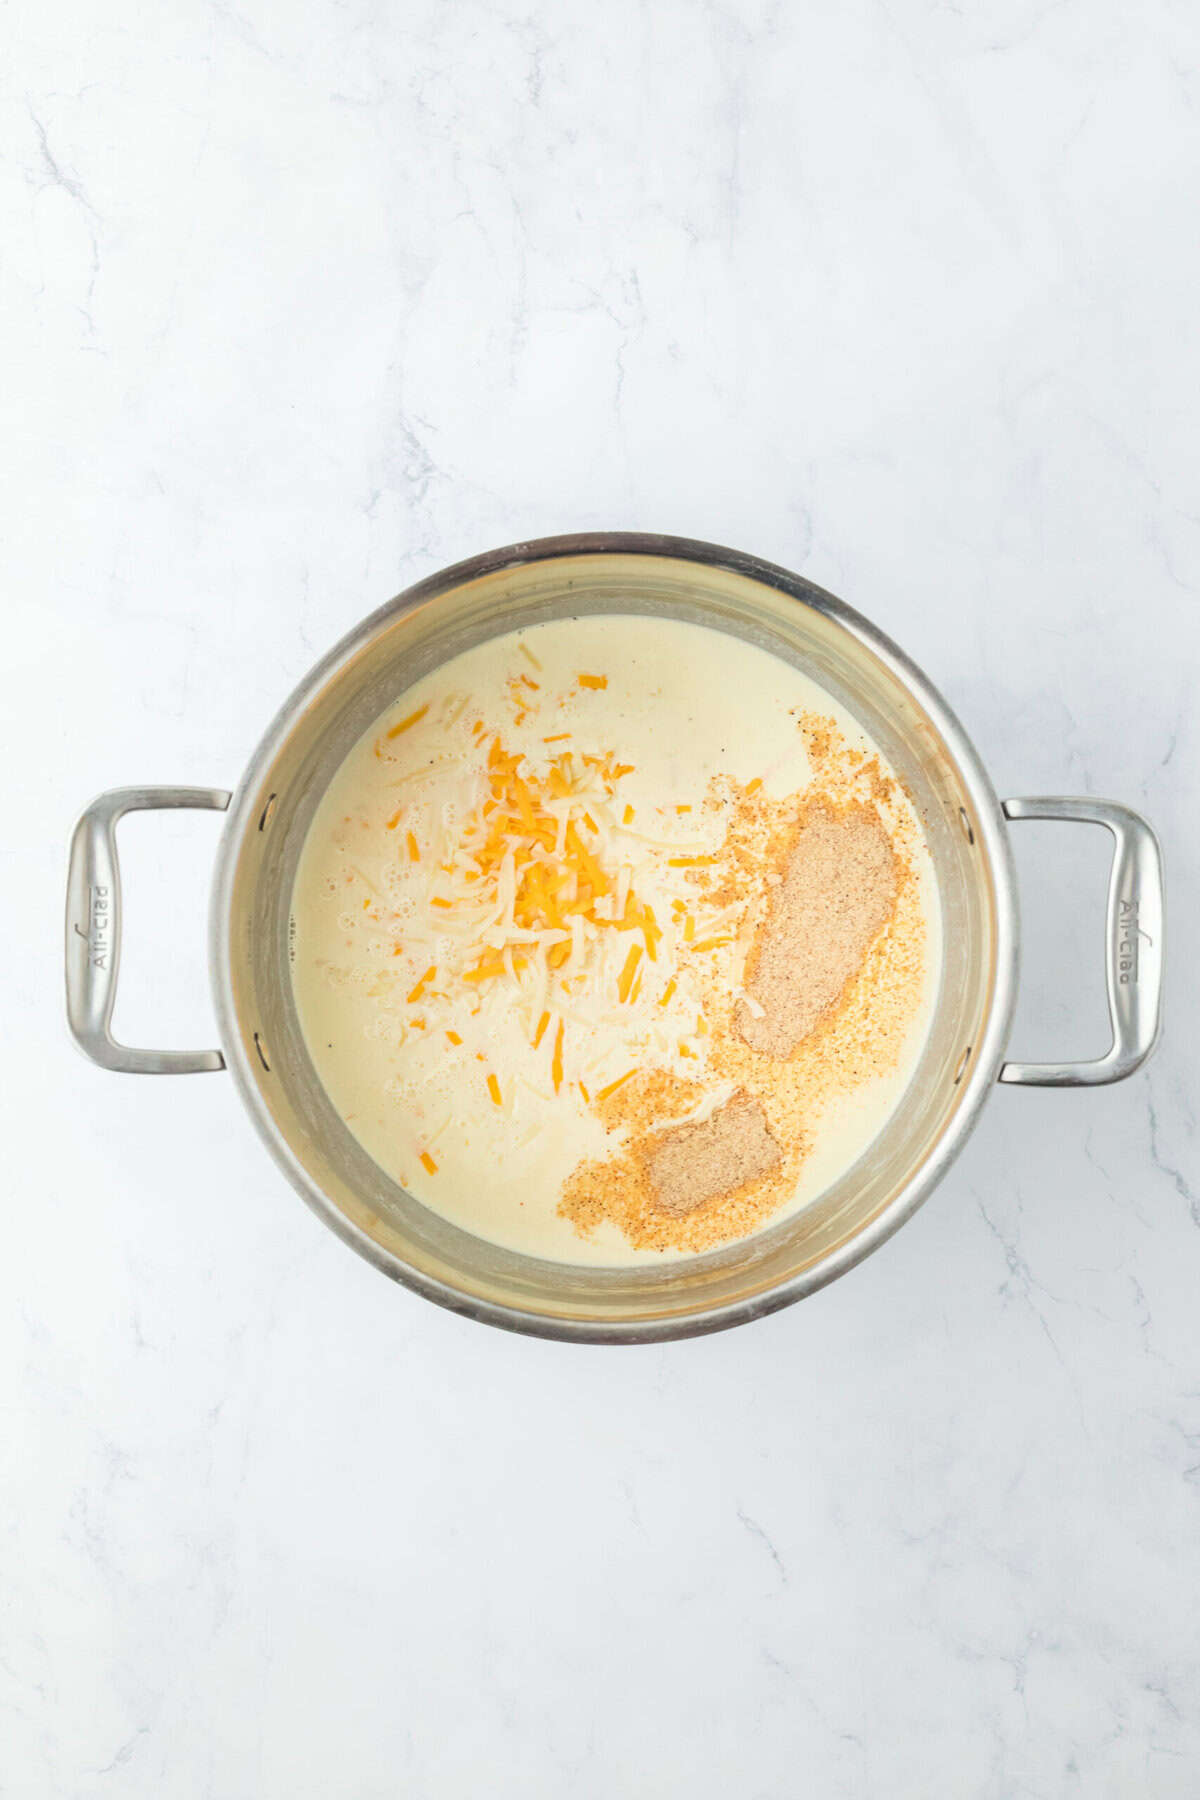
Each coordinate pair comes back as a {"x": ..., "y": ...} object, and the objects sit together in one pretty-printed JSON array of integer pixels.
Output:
[{"x": 986, "y": 1054}]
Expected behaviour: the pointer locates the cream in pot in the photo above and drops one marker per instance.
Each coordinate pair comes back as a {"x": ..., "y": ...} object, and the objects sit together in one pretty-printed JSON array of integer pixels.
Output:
[{"x": 482, "y": 1076}]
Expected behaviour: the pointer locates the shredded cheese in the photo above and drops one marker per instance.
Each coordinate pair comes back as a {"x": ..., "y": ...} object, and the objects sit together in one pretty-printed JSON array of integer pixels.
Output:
[
  {"x": 407, "y": 724},
  {"x": 426, "y": 978},
  {"x": 625, "y": 979},
  {"x": 523, "y": 893},
  {"x": 614, "y": 1085}
]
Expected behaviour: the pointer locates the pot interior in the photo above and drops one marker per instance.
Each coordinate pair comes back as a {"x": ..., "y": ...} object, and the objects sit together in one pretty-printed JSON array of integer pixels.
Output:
[{"x": 251, "y": 935}]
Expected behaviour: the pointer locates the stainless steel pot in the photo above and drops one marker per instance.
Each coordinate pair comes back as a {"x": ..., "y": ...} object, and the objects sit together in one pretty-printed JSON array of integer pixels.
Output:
[{"x": 270, "y": 813}]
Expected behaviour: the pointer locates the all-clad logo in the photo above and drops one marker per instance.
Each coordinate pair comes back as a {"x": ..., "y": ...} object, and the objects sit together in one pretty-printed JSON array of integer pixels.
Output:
[
  {"x": 99, "y": 938},
  {"x": 1128, "y": 933}
]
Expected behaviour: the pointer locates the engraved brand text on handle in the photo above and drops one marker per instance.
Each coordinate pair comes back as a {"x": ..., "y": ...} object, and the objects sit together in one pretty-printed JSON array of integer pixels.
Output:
[
  {"x": 1128, "y": 933},
  {"x": 100, "y": 940}
]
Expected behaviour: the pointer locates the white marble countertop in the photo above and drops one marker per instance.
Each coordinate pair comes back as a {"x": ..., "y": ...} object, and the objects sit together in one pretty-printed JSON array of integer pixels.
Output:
[{"x": 301, "y": 302}]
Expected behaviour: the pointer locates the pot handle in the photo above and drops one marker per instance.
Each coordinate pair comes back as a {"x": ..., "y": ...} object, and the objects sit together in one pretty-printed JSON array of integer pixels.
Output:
[
  {"x": 1133, "y": 942},
  {"x": 94, "y": 930}
]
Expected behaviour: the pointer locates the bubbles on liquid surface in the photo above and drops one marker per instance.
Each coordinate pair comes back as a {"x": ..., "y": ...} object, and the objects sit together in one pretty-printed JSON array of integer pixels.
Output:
[{"x": 391, "y": 880}]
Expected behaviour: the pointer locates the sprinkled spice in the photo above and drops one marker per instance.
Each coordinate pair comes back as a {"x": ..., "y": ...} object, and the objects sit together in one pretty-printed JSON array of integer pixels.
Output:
[
  {"x": 838, "y": 890},
  {"x": 691, "y": 1164},
  {"x": 824, "y": 881}
]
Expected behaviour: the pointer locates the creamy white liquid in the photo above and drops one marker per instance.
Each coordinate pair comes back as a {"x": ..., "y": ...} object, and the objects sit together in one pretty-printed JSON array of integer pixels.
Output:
[{"x": 682, "y": 704}]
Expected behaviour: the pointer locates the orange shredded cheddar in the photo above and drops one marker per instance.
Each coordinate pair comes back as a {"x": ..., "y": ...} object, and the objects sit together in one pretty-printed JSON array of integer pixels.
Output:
[
  {"x": 690, "y": 862},
  {"x": 491, "y": 966},
  {"x": 540, "y": 1033},
  {"x": 556, "y": 1064},
  {"x": 614, "y": 1085},
  {"x": 426, "y": 978},
  {"x": 625, "y": 979},
  {"x": 584, "y": 1091},
  {"x": 627, "y": 816},
  {"x": 488, "y": 966},
  {"x": 554, "y": 856},
  {"x": 558, "y": 737},
  {"x": 414, "y": 849},
  {"x": 366, "y": 906},
  {"x": 683, "y": 809},
  {"x": 395, "y": 819},
  {"x": 593, "y": 681},
  {"x": 712, "y": 943},
  {"x": 689, "y": 928},
  {"x": 754, "y": 785},
  {"x": 668, "y": 991},
  {"x": 454, "y": 1037},
  {"x": 429, "y": 1162},
  {"x": 684, "y": 1051},
  {"x": 397, "y": 949},
  {"x": 406, "y": 724},
  {"x": 494, "y": 1090}
]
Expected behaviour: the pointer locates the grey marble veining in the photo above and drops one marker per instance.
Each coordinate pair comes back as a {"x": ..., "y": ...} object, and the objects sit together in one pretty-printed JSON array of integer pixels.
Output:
[{"x": 301, "y": 302}]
